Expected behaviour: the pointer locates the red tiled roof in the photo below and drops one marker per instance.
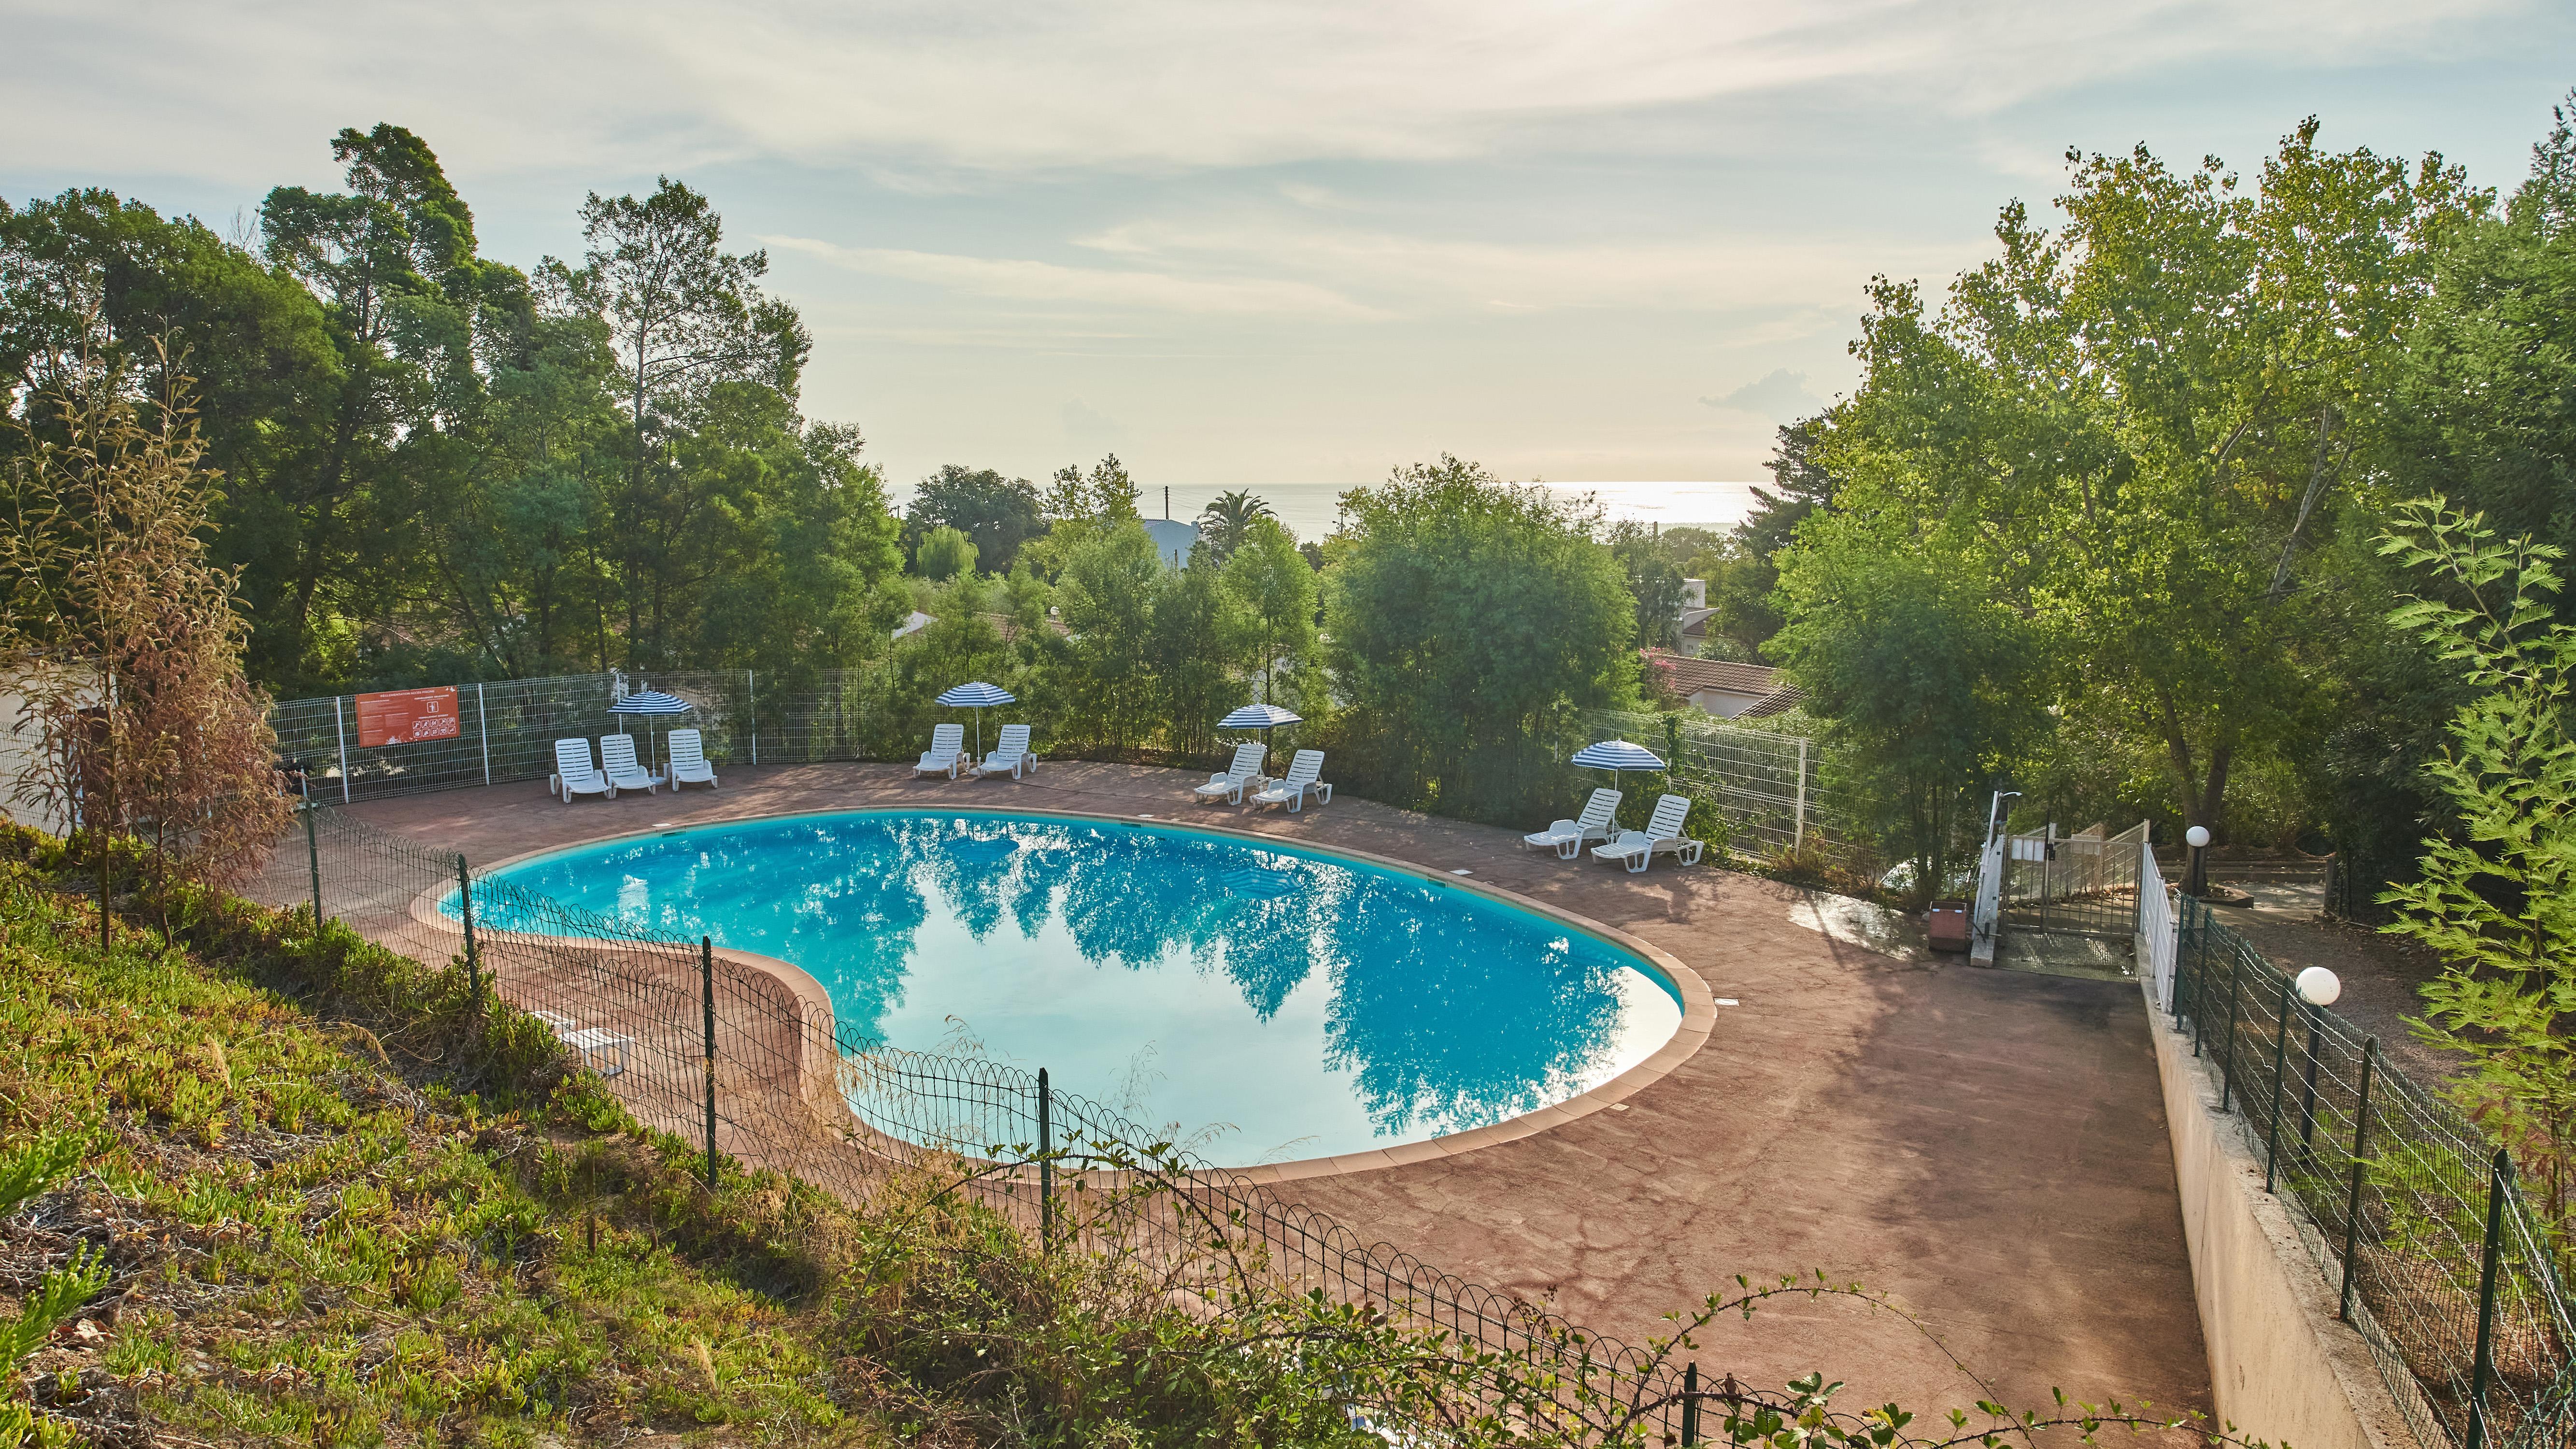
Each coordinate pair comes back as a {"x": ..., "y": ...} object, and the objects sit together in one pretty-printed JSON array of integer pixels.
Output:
[{"x": 1771, "y": 694}]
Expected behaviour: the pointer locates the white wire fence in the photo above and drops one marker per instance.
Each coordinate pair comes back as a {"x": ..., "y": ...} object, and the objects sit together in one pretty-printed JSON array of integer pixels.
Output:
[{"x": 1780, "y": 795}]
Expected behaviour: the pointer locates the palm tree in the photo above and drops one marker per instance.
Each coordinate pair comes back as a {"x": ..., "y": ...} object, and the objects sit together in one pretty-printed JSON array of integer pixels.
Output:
[{"x": 1222, "y": 522}]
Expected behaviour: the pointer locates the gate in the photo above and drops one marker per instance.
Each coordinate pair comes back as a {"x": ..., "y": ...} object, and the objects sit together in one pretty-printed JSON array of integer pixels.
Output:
[{"x": 2073, "y": 885}]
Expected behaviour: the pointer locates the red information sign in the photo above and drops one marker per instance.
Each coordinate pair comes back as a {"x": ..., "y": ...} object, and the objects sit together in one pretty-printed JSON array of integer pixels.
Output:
[{"x": 406, "y": 717}]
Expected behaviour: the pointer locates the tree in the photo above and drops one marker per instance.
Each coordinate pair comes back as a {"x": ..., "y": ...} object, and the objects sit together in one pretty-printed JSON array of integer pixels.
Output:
[
  {"x": 1654, "y": 583},
  {"x": 2497, "y": 901},
  {"x": 685, "y": 317},
  {"x": 1925, "y": 684},
  {"x": 1273, "y": 591},
  {"x": 1468, "y": 619},
  {"x": 121, "y": 637},
  {"x": 1741, "y": 574},
  {"x": 999, "y": 514},
  {"x": 1223, "y": 522},
  {"x": 2142, "y": 429},
  {"x": 1107, "y": 596},
  {"x": 1194, "y": 620},
  {"x": 946, "y": 553}
]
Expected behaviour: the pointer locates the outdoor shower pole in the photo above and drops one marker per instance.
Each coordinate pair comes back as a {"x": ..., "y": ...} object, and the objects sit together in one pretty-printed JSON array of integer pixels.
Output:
[
  {"x": 2352, "y": 1203},
  {"x": 1798, "y": 841},
  {"x": 707, "y": 983},
  {"x": 751, "y": 696},
  {"x": 483, "y": 718}
]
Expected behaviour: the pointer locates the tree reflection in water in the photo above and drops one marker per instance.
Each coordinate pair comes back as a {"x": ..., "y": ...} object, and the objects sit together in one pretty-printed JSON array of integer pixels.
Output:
[{"x": 1442, "y": 1010}]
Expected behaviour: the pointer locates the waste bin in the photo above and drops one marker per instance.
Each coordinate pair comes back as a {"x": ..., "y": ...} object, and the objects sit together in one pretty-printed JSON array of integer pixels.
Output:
[{"x": 1947, "y": 925}]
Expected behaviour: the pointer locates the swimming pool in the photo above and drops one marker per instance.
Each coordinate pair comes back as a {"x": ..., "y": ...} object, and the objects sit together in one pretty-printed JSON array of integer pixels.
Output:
[{"x": 1266, "y": 1001}]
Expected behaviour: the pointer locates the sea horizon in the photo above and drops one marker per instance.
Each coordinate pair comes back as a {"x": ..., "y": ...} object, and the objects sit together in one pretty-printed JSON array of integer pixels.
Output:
[{"x": 1311, "y": 510}]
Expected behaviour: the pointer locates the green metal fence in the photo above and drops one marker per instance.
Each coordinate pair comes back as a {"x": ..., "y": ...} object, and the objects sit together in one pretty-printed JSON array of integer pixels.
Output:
[{"x": 2412, "y": 1212}]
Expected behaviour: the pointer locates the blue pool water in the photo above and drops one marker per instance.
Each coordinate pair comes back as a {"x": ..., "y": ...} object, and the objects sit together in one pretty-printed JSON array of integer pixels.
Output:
[{"x": 1269, "y": 1003}]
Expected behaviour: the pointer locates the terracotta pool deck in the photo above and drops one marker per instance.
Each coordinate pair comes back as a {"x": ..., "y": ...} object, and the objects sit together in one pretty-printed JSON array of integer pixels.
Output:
[{"x": 1987, "y": 1147}]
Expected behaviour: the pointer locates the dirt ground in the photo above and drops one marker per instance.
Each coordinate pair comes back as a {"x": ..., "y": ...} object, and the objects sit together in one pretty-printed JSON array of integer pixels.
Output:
[{"x": 2382, "y": 975}]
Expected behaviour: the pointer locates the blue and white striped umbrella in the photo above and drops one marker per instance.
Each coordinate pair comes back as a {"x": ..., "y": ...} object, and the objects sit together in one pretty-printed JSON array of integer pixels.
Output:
[
  {"x": 977, "y": 696},
  {"x": 1262, "y": 717},
  {"x": 651, "y": 701},
  {"x": 651, "y": 704},
  {"x": 1617, "y": 755},
  {"x": 1259, "y": 717}
]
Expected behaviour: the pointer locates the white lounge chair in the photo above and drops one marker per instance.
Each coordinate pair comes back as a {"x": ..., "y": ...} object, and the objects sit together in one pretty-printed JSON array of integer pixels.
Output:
[
  {"x": 574, "y": 773},
  {"x": 947, "y": 752},
  {"x": 1568, "y": 837},
  {"x": 1300, "y": 781},
  {"x": 617, "y": 762},
  {"x": 1245, "y": 769},
  {"x": 591, "y": 1041},
  {"x": 1010, "y": 753},
  {"x": 689, "y": 761},
  {"x": 1664, "y": 832}
]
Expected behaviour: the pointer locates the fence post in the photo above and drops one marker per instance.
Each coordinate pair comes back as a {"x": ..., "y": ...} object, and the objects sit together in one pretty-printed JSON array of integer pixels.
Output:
[
  {"x": 465, "y": 910},
  {"x": 340, "y": 727},
  {"x": 483, "y": 719},
  {"x": 2308, "y": 1091},
  {"x": 707, "y": 983},
  {"x": 313, "y": 858},
  {"x": 2200, "y": 972},
  {"x": 751, "y": 695},
  {"x": 1690, "y": 1402},
  {"x": 2352, "y": 1202},
  {"x": 1046, "y": 1162},
  {"x": 2482, "y": 1368},
  {"x": 2280, "y": 1069},
  {"x": 2227, "y": 1064},
  {"x": 1798, "y": 841}
]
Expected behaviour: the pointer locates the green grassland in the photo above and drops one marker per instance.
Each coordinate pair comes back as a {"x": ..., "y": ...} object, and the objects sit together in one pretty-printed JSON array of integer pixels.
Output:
[{"x": 342, "y": 1205}]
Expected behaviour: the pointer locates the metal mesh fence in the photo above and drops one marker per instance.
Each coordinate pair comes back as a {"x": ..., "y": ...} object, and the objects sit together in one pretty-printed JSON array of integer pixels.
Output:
[
  {"x": 715, "y": 1049},
  {"x": 2412, "y": 1212},
  {"x": 1778, "y": 794}
]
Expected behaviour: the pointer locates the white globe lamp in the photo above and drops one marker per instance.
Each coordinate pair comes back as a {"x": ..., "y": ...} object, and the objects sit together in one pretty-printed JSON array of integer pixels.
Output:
[
  {"x": 2196, "y": 837},
  {"x": 2319, "y": 987}
]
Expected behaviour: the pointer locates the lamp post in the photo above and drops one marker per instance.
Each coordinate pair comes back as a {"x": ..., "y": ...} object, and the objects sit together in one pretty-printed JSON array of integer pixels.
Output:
[{"x": 2196, "y": 881}]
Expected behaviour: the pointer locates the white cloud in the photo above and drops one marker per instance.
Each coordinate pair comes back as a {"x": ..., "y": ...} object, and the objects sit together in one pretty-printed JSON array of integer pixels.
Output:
[
  {"x": 1780, "y": 395},
  {"x": 1122, "y": 84},
  {"x": 1022, "y": 279}
]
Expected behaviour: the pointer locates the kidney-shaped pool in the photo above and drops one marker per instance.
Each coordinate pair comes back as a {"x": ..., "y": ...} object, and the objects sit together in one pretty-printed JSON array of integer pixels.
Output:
[{"x": 1266, "y": 1001}]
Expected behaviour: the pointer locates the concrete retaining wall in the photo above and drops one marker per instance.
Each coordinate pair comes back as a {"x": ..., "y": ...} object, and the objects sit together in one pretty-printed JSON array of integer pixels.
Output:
[{"x": 2281, "y": 1366}]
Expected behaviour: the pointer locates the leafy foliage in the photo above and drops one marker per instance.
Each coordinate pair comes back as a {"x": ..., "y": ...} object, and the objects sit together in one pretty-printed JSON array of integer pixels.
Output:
[{"x": 2498, "y": 899}]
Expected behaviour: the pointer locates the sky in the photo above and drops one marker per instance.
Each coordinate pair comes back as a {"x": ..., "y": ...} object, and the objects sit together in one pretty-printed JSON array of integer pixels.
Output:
[{"x": 1264, "y": 243}]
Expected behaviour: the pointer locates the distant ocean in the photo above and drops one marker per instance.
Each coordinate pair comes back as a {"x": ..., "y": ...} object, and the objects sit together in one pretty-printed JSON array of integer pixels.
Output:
[{"x": 1310, "y": 509}]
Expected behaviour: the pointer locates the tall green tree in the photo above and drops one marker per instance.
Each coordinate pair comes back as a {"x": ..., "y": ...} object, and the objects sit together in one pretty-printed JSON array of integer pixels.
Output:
[
  {"x": 1225, "y": 521},
  {"x": 1194, "y": 620},
  {"x": 1107, "y": 597},
  {"x": 1274, "y": 593},
  {"x": 1928, "y": 685},
  {"x": 686, "y": 319},
  {"x": 1654, "y": 583},
  {"x": 1469, "y": 619},
  {"x": 998, "y": 514},
  {"x": 2142, "y": 428}
]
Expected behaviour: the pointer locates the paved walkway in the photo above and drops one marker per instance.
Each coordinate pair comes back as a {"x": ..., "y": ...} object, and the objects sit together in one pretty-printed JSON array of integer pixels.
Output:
[{"x": 1989, "y": 1147}]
